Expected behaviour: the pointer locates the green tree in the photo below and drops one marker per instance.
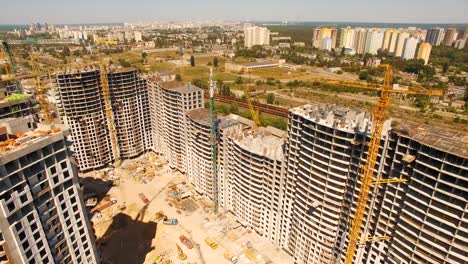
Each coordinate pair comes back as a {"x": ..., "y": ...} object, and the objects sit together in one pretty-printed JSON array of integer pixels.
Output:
[
  {"x": 445, "y": 67},
  {"x": 178, "y": 77},
  {"x": 238, "y": 80},
  {"x": 144, "y": 55},
  {"x": 363, "y": 75},
  {"x": 234, "y": 108},
  {"x": 192, "y": 61},
  {"x": 270, "y": 98},
  {"x": 215, "y": 62},
  {"x": 66, "y": 51}
]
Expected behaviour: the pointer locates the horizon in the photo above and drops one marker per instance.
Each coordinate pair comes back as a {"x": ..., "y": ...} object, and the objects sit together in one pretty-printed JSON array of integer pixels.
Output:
[{"x": 118, "y": 11}]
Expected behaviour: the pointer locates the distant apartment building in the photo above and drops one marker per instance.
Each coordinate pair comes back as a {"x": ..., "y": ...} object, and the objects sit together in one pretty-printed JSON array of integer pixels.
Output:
[
  {"x": 460, "y": 43},
  {"x": 393, "y": 42},
  {"x": 322, "y": 33},
  {"x": 138, "y": 36},
  {"x": 450, "y": 37},
  {"x": 374, "y": 39},
  {"x": 409, "y": 49},
  {"x": 388, "y": 35},
  {"x": 255, "y": 35},
  {"x": 400, "y": 44},
  {"x": 347, "y": 36},
  {"x": 80, "y": 102},
  {"x": 435, "y": 36},
  {"x": 424, "y": 52},
  {"x": 43, "y": 217}
]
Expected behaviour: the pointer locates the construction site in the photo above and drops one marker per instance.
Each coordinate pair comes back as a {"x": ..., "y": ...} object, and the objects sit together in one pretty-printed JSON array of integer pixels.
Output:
[
  {"x": 147, "y": 193},
  {"x": 168, "y": 179}
]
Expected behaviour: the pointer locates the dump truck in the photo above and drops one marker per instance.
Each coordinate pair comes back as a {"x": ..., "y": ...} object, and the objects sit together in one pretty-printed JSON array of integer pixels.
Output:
[
  {"x": 187, "y": 242},
  {"x": 231, "y": 257},
  {"x": 107, "y": 203},
  {"x": 210, "y": 242},
  {"x": 160, "y": 215},
  {"x": 172, "y": 221},
  {"x": 143, "y": 198}
]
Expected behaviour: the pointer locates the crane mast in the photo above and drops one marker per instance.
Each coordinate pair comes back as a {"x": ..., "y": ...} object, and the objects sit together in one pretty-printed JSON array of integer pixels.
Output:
[
  {"x": 253, "y": 113},
  {"x": 109, "y": 113},
  {"x": 214, "y": 141},
  {"x": 41, "y": 92},
  {"x": 12, "y": 66},
  {"x": 378, "y": 119}
]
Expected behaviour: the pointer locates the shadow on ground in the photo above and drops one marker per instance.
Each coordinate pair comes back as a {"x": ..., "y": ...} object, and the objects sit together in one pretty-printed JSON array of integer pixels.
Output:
[
  {"x": 126, "y": 241},
  {"x": 97, "y": 186}
]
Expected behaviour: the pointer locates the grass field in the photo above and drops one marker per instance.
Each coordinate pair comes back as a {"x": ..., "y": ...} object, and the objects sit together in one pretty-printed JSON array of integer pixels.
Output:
[{"x": 277, "y": 73}]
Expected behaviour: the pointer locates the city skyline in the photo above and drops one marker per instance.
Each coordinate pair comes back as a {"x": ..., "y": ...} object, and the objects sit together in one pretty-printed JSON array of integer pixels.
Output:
[{"x": 24, "y": 12}]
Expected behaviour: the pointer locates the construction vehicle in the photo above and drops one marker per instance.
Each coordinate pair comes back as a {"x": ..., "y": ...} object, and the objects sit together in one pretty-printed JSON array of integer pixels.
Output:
[
  {"x": 180, "y": 253},
  {"x": 379, "y": 116},
  {"x": 172, "y": 221},
  {"x": 143, "y": 198},
  {"x": 210, "y": 242},
  {"x": 107, "y": 202},
  {"x": 160, "y": 215},
  {"x": 187, "y": 242},
  {"x": 231, "y": 257},
  {"x": 253, "y": 112}
]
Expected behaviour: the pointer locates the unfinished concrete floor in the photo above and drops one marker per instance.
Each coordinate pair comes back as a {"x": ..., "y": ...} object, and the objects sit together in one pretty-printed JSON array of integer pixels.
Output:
[{"x": 132, "y": 236}]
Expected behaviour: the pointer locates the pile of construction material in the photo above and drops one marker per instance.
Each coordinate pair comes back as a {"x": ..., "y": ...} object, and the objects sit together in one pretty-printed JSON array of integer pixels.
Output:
[{"x": 143, "y": 169}]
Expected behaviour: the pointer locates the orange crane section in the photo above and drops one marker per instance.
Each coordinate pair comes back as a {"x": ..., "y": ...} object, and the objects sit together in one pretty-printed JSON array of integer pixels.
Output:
[
  {"x": 379, "y": 116},
  {"x": 41, "y": 91},
  {"x": 252, "y": 111},
  {"x": 109, "y": 113}
]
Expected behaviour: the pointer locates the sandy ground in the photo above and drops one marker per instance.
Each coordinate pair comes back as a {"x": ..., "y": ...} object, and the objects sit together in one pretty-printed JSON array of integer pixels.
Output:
[{"x": 132, "y": 236}]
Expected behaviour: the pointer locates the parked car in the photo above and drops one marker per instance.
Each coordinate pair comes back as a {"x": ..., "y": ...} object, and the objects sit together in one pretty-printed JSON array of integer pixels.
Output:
[
  {"x": 210, "y": 242},
  {"x": 187, "y": 242},
  {"x": 172, "y": 221},
  {"x": 143, "y": 198}
]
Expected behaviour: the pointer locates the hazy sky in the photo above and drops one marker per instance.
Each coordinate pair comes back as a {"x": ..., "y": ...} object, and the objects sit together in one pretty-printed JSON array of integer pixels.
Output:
[{"x": 101, "y": 11}]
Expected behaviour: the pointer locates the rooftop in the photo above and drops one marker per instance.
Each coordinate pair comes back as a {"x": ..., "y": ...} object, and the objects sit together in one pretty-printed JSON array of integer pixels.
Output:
[
  {"x": 441, "y": 138},
  {"x": 12, "y": 149},
  {"x": 262, "y": 143},
  {"x": 180, "y": 87}
]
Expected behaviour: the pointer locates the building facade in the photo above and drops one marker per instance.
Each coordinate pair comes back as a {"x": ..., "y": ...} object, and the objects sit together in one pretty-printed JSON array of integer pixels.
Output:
[
  {"x": 254, "y": 35},
  {"x": 80, "y": 102},
  {"x": 43, "y": 217},
  {"x": 170, "y": 101},
  {"x": 409, "y": 49},
  {"x": 424, "y": 52}
]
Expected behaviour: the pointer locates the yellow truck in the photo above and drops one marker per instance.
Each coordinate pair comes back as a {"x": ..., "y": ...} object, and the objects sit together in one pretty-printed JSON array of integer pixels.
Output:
[{"x": 210, "y": 242}]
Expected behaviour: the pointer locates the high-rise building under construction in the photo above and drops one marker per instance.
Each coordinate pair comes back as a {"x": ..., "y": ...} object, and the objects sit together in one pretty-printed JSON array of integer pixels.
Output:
[
  {"x": 42, "y": 217},
  {"x": 80, "y": 101}
]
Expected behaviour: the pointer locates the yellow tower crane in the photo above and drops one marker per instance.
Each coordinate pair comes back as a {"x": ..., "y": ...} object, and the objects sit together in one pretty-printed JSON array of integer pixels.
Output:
[
  {"x": 41, "y": 91},
  {"x": 255, "y": 117},
  {"x": 379, "y": 116},
  {"x": 109, "y": 113}
]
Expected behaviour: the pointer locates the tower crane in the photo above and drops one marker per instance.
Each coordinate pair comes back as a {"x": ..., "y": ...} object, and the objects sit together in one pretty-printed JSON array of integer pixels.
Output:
[
  {"x": 109, "y": 113},
  {"x": 379, "y": 116},
  {"x": 214, "y": 141},
  {"x": 255, "y": 117},
  {"x": 11, "y": 69},
  {"x": 41, "y": 91}
]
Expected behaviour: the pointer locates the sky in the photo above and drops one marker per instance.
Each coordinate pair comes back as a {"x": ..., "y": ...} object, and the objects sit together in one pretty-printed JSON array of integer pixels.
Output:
[{"x": 112, "y": 11}]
